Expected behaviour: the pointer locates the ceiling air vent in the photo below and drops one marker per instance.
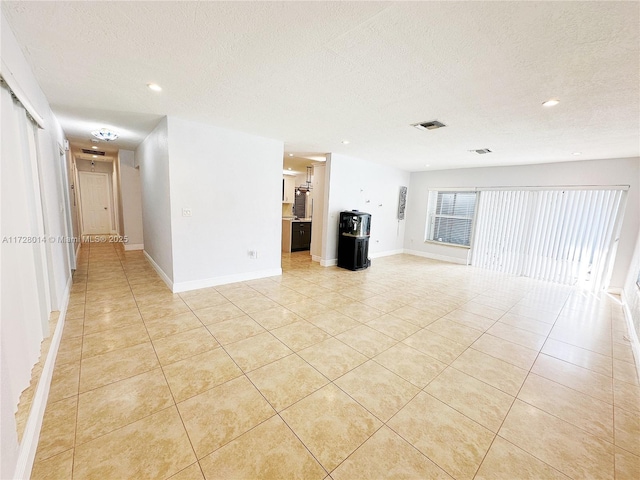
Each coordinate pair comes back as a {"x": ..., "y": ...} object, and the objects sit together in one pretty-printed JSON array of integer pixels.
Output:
[
  {"x": 432, "y": 125},
  {"x": 481, "y": 151},
  {"x": 92, "y": 152}
]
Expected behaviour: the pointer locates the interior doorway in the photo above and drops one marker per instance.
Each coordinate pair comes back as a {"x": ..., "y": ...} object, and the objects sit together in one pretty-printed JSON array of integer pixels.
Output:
[{"x": 95, "y": 203}]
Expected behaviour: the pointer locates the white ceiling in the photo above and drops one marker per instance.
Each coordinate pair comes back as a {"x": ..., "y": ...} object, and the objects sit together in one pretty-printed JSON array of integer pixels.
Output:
[{"x": 315, "y": 73}]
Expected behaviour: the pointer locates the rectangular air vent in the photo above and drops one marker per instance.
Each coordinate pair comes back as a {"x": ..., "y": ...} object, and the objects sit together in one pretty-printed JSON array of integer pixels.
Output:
[
  {"x": 481, "y": 151},
  {"x": 432, "y": 125},
  {"x": 92, "y": 152}
]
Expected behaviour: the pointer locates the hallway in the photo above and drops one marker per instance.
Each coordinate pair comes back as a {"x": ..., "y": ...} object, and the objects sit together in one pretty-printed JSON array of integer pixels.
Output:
[{"x": 411, "y": 369}]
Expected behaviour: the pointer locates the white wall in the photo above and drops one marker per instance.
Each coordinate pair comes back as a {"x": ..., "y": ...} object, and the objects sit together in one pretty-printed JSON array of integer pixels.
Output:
[
  {"x": 152, "y": 155},
  {"x": 631, "y": 290},
  {"x": 319, "y": 171},
  {"x": 23, "y": 278},
  {"x": 231, "y": 181},
  {"x": 356, "y": 184},
  {"x": 131, "y": 200},
  {"x": 595, "y": 172}
]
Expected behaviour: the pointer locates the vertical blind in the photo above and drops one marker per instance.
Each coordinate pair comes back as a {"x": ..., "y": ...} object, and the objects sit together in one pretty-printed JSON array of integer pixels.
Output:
[{"x": 563, "y": 236}]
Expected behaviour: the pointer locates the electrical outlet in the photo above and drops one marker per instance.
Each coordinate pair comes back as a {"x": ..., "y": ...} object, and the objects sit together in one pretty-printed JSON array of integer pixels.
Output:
[
  {"x": 186, "y": 212},
  {"x": 253, "y": 254}
]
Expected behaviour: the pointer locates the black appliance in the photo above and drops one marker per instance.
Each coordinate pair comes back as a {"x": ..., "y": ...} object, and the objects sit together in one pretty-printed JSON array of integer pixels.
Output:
[{"x": 353, "y": 240}]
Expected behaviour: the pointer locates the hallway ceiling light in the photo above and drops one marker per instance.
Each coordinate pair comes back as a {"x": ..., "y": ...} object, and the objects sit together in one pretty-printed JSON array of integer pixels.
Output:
[
  {"x": 576, "y": 153},
  {"x": 551, "y": 103},
  {"x": 94, "y": 147},
  {"x": 345, "y": 142},
  {"x": 291, "y": 154},
  {"x": 105, "y": 134},
  {"x": 155, "y": 87}
]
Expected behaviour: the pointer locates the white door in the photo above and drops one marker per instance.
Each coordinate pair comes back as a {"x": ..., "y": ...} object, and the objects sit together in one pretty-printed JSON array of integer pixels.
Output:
[{"x": 95, "y": 202}]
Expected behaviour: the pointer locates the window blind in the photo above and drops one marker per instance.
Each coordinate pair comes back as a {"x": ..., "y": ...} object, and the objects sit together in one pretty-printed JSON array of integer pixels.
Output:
[
  {"x": 450, "y": 216},
  {"x": 564, "y": 236}
]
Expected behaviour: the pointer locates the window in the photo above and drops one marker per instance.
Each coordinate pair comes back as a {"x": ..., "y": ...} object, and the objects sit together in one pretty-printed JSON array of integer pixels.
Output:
[{"x": 450, "y": 217}]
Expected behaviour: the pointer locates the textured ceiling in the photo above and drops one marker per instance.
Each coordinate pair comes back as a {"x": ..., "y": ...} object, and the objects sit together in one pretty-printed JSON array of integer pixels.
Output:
[{"x": 315, "y": 73}]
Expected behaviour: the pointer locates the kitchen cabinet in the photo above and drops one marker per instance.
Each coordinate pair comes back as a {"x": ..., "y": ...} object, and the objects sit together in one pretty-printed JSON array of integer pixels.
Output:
[
  {"x": 288, "y": 188},
  {"x": 300, "y": 236}
]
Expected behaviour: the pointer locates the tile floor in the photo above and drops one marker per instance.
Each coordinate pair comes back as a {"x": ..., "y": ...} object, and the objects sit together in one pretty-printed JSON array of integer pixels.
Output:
[{"x": 411, "y": 369}]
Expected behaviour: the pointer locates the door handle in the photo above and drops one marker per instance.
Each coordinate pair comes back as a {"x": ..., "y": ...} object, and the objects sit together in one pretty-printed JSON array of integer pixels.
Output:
[{"x": 105, "y": 208}]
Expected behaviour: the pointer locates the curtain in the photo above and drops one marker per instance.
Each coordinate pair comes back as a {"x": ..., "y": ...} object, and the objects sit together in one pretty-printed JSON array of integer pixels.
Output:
[{"x": 563, "y": 236}]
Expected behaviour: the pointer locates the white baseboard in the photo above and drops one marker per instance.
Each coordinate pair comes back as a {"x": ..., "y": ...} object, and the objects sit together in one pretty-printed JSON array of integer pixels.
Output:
[
  {"x": 165, "y": 278},
  {"x": 133, "y": 246},
  {"x": 316, "y": 258},
  {"x": 329, "y": 263},
  {"x": 633, "y": 335},
  {"x": 435, "y": 256},
  {"x": 388, "y": 253},
  {"x": 215, "y": 281},
  {"x": 31, "y": 435}
]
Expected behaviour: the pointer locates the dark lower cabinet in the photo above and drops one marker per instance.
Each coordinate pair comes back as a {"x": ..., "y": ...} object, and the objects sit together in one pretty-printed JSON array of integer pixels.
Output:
[{"x": 300, "y": 236}]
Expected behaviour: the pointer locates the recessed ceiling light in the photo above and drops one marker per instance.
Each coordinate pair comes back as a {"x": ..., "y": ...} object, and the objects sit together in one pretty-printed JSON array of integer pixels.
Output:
[
  {"x": 576, "y": 153},
  {"x": 105, "y": 134},
  {"x": 345, "y": 142},
  {"x": 427, "y": 165},
  {"x": 551, "y": 103},
  {"x": 95, "y": 156},
  {"x": 155, "y": 87},
  {"x": 94, "y": 147},
  {"x": 291, "y": 154},
  {"x": 289, "y": 168}
]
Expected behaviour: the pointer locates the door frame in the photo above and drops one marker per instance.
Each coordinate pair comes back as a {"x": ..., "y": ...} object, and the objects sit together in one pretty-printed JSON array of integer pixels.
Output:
[{"x": 104, "y": 175}]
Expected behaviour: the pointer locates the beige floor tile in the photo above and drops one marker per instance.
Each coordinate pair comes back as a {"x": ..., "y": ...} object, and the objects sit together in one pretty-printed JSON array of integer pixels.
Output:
[
  {"x": 58, "y": 430},
  {"x": 192, "y": 472},
  {"x": 487, "y": 311},
  {"x": 332, "y": 358},
  {"x": 470, "y": 319},
  {"x": 384, "y": 304},
  {"x": 69, "y": 351},
  {"x": 114, "y": 339},
  {"x": 308, "y": 308},
  {"x": 399, "y": 461},
  {"x": 118, "y": 454},
  {"x": 112, "y": 320},
  {"x": 379, "y": 390},
  {"x": 505, "y": 461},
  {"x": 183, "y": 345},
  {"x": 481, "y": 402},
  {"x": 417, "y": 316},
  {"x": 299, "y": 335},
  {"x": 578, "y": 356},
  {"x": 286, "y": 381},
  {"x": 58, "y": 467},
  {"x": 517, "y": 335},
  {"x": 256, "y": 351},
  {"x": 393, "y": 327},
  {"x": 197, "y": 301},
  {"x": 73, "y": 327},
  {"x": 594, "y": 342},
  {"x": 333, "y": 322},
  {"x": 526, "y": 323},
  {"x": 332, "y": 299},
  {"x": 572, "y": 376},
  {"x": 565, "y": 447},
  {"x": 625, "y": 372},
  {"x": 116, "y": 365},
  {"x": 627, "y": 427},
  {"x": 454, "y": 331},
  {"x": 627, "y": 465},
  {"x": 330, "y": 424},
  {"x": 196, "y": 374},
  {"x": 257, "y": 303},
  {"x": 157, "y": 310},
  {"x": 65, "y": 381},
  {"x": 491, "y": 370},
  {"x": 284, "y": 296},
  {"x": 219, "y": 415},
  {"x": 435, "y": 345},
  {"x": 107, "y": 306},
  {"x": 219, "y": 313},
  {"x": 165, "y": 326},
  {"x": 623, "y": 352},
  {"x": 275, "y": 453},
  {"x": 452, "y": 441},
  {"x": 366, "y": 340},
  {"x": 507, "y": 351},
  {"x": 275, "y": 317},
  {"x": 161, "y": 297},
  {"x": 235, "y": 329},
  {"x": 412, "y": 365},
  {"x": 359, "y": 311},
  {"x": 588, "y": 413},
  {"x": 538, "y": 313},
  {"x": 626, "y": 396}
]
